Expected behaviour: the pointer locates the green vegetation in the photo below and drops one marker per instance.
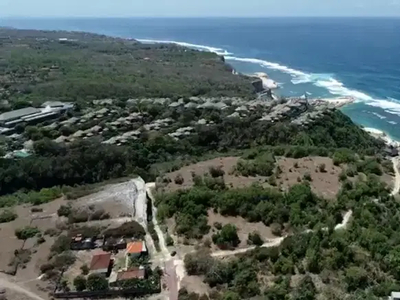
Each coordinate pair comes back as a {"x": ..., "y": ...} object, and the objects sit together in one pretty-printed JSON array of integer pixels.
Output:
[
  {"x": 26, "y": 232},
  {"x": 7, "y": 216},
  {"x": 227, "y": 238},
  {"x": 80, "y": 283},
  {"x": 255, "y": 239},
  {"x": 98, "y": 67},
  {"x": 97, "y": 282},
  {"x": 128, "y": 229},
  {"x": 298, "y": 208},
  {"x": 360, "y": 261}
]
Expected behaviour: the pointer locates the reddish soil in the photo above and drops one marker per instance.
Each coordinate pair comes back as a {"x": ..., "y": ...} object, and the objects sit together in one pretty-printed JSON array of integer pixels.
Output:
[{"x": 325, "y": 184}]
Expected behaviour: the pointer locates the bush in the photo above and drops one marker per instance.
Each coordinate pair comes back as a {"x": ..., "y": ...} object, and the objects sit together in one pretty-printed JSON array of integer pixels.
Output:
[
  {"x": 80, "y": 283},
  {"x": 307, "y": 177},
  {"x": 41, "y": 240},
  {"x": 342, "y": 176},
  {"x": 227, "y": 237},
  {"x": 61, "y": 244},
  {"x": 276, "y": 229},
  {"x": 218, "y": 225},
  {"x": 322, "y": 168},
  {"x": 97, "y": 282},
  {"x": 129, "y": 229},
  {"x": 255, "y": 239},
  {"x": 64, "y": 211},
  {"x": 36, "y": 209},
  {"x": 179, "y": 179},
  {"x": 169, "y": 241},
  {"x": 85, "y": 269},
  {"x": 7, "y": 216},
  {"x": 216, "y": 172},
  {"x": 26, "y": 232}
]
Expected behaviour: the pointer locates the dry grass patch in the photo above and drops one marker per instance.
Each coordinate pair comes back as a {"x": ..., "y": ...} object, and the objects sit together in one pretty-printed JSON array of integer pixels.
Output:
[{"x": 323, "y": 183}]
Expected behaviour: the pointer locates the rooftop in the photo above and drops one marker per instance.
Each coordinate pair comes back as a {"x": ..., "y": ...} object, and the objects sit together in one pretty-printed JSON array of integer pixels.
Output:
[
  {"x": 130, "y": 274},
  {"x": 100, "y": 261},
  {"x": 19, "y": 113},
  {"x": 135, "y": 247}
]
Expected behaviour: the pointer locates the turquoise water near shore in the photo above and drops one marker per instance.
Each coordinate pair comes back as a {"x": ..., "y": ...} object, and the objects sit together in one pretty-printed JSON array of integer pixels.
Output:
[{"x": 323, "y": 57}]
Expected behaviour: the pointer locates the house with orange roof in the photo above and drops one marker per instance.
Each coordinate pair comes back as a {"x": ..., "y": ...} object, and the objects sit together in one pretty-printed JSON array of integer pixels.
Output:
[
  {"x": 136, "y": 249},
  {"x": 100, "y": 263}
]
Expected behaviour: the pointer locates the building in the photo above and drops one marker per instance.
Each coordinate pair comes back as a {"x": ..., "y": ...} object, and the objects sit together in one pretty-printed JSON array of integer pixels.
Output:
[
  {"x": 395, "y": 296},
  {"x": 100, "y": 263},
  {"x": 79, "y": 242},
  {"x": 136, "y": 249},
  {"x": 132, "y": 273},
  {"x": 31, "y": 115}
]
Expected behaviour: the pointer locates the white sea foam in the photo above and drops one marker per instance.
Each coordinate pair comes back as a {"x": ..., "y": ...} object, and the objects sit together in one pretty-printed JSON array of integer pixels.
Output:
[
  {"x": 378, "y": 115},
  {"x": 218, "y": 51},
  {"x": 393, "y": 122},
  {"x": 323, "y": 80}
]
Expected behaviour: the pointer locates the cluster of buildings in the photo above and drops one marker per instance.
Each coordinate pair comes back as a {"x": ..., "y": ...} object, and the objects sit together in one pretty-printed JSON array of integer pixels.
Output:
[
  {"x": 49, "y": 110},
  {"x": 103, "y": 261}
]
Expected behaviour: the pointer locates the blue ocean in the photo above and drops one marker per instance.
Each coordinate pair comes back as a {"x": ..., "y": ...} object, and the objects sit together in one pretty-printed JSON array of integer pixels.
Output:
[{"x": 323, "y": 57}]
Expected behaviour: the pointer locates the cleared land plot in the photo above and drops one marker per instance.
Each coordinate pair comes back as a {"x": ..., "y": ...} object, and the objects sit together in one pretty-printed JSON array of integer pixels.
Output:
[
  {"x": 226, "y": 163},
  {"x": 325, "y": 184},
  {"x": 243, "y": 228},
  {"x": 115, "y": 199}
]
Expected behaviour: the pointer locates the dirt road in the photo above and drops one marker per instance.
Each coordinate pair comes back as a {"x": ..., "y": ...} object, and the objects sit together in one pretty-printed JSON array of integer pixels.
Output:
[
  {"x": 8, "y": 284},
  {"x": 396, "y": 187}
]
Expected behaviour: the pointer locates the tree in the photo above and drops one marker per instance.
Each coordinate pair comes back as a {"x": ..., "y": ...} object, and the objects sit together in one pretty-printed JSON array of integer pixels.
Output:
[
  {"x": 306, "y": 290},
  {"x": 97, "y": 282},
  {"x": 227, "y": 237},
  {"x": 356, "y": 278},
  {"x": 229, "y": 295},
  {"x": 80, "y": 283},
  {"x": 26, "y": 232}
]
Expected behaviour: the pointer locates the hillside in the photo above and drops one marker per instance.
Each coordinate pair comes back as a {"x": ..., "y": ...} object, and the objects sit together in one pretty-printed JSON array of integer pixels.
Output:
[{"x": 72, "y": 66}]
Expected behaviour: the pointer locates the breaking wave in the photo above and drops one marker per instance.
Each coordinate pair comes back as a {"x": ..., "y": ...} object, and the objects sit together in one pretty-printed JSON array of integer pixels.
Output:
[{"x": 322, "y": 80}]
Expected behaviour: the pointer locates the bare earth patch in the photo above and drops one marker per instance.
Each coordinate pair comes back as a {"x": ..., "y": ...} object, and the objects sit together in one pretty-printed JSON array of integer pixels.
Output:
[
  {"x": 226, "y": 163},
  {"x": 325, "y": 184},
  {"x": 243, "y": 227}
]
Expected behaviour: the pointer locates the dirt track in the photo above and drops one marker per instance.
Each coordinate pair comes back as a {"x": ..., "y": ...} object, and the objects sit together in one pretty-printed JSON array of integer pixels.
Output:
[
  {"x": 396, "y": 187},
  {"x": 7, "y": 283}
]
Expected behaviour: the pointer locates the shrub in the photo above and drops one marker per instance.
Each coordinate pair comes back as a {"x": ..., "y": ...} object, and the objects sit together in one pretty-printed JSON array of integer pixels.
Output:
[
  {"x": 26, "y": 232},
  {"x": 52, "y": 232},
  {"x": 85, "y": 269},
  {"x": 218, "y": 225},
  {"x": 36, "y": 209},
  {"x": 61, "y": 244},
  {"x": 342, "y": 176},
  {"x": 276, "y": 229},
  {"x": 322, "y": 168},
  {"x": 80, "y": 283},
  {"x": 179, "y": 179},
  {"x": 7, "y": 216},
  {"x": 64, "y": 211},
  {"x": 307, "y": 176},
  {"x": 129, "y": 229},
  {"x": 216, "y": 171},
  {"x": 227, "y": 237},
  {"x": 255, "y": 239},
  {"x": 97, "y": 282},
  {"x": 41, "y": 240},
  {"x": 169, "y": 241},
  {"x": 46, "y": 267}
]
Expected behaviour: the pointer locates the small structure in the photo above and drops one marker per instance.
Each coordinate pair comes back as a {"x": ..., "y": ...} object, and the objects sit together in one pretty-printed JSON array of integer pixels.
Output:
[
  {"x": 79, "y": 242},
  {"x": 100, "y": 263},
  {"x": 132, "y": 273},
  {"x": 136, "y": 249},
  {"x": 112, "y": 244},
  {"x": 394, "y": 296}
]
